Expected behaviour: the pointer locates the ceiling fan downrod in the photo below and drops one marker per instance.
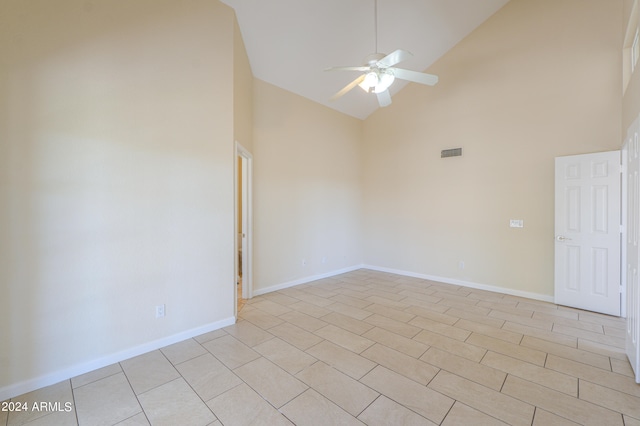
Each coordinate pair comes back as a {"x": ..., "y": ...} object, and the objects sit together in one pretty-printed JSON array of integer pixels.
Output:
[{"x": 375, "y": 26}]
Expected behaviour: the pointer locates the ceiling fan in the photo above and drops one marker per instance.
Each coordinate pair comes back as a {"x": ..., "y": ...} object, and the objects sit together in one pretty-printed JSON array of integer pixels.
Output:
[{"x": 380, "y": 73}]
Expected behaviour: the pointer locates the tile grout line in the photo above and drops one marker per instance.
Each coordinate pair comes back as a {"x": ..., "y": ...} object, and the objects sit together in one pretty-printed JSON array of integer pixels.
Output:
[
  {"x": 75, "y": 405},
  {"x": 185, "y": 379},
  {"x": 134, "y": 394},
  {"x": 373, "y": 283}
]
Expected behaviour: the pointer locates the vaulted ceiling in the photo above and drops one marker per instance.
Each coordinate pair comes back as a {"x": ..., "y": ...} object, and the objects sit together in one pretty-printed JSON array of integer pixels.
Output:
[{"x": 291, "y": 42}]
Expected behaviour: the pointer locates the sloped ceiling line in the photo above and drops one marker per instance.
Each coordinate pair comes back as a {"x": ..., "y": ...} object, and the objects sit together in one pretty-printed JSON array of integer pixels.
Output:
[{"x": 290, "y": 42}]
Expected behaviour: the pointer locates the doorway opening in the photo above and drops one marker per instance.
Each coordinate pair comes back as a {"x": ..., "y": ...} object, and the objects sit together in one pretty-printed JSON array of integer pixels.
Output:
[{"x": 243, "y": 226}]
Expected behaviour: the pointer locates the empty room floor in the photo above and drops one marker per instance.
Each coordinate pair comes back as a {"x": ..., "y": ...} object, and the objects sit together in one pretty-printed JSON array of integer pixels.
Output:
[{"x": 371, "y": 348}]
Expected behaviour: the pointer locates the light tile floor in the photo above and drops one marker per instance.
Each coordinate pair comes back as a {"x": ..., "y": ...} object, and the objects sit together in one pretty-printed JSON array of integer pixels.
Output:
[{"x": 368, "y": 348}]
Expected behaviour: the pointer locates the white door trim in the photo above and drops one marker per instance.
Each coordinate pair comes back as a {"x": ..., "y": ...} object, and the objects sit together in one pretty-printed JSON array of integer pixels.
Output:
[
  {"x": 247, "y": 215},
  {"x": 624, "y": 205},
  {"x": 631, "y": 197}
]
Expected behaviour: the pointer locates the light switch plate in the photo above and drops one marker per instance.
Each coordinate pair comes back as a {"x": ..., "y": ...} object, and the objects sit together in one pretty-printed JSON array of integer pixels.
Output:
[{"x": 516, "y": 223}]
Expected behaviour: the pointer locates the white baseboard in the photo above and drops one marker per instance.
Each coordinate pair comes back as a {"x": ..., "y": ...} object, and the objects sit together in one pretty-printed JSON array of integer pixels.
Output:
[
  {"x": 76, "y": 370},
  {"x": 470, "y": 284},
  {"x": 305, "y": 280},
  {"x": 20, "y": 388}
]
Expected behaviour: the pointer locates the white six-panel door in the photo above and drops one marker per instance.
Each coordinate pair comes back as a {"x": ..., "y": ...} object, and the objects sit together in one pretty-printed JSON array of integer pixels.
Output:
[
  {"x": 587, "y": 246},
  {"x": 632, "y": 157}
]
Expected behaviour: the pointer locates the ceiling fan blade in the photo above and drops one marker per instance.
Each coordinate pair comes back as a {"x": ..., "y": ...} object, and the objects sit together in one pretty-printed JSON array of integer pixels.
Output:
[
  {"x": 384, "y": 98},
  {"x": 416, "y": 77},
  {"x": 348, "y": 87},
  {"x": 394, "y": 58},
  {"x": 358, "y": 68}
]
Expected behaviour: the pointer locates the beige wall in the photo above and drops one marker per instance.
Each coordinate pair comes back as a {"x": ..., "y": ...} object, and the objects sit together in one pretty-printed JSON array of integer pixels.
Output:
[
  {"x": 307, "y": 188},
  {"x": 116, "y": 180},
  {"x": 539, "y": 79},
  {"x": 242, "y": 92},
  {"x": 116, "y": 167},
  {"x": 242, "y": 108},
  {"x": 631, "y": 99}
]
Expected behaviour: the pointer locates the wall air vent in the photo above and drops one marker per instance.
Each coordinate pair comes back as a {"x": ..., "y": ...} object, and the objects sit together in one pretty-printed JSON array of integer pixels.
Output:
[{"x": 455, "y": 152}]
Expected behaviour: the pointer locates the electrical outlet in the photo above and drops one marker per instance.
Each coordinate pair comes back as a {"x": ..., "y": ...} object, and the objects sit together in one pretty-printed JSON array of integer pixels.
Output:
[
  {"x": 461, "y": 265},
  {"x": 304, "y": 262},
  {"x": 516, "y": 223},
  {"x": 324, "y": 259},
  {"x": 160, "y": 311}
]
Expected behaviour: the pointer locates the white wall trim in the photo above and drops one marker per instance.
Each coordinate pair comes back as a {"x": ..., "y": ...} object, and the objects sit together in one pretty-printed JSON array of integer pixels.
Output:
[
  {"x": 20, "y": 388},
  {"x": 470, "y": 284},
  {"x": 76, "y": 370},
  {"x": 247, "y": 279},
  {"x": 305, "y": 280}
]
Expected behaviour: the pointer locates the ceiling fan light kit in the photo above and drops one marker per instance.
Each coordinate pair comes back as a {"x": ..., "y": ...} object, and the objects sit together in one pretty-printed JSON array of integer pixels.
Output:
[
  {"x": 380, "y": 73},
  {"x": 377, "y": 82}
]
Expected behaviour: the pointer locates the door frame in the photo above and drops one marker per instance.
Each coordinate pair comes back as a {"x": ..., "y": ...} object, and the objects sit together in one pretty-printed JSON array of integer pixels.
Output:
[
  {"x": 624, "y": 205},
  {"x": 247, "y": 217},
  {"x": 631, "y": 200}
]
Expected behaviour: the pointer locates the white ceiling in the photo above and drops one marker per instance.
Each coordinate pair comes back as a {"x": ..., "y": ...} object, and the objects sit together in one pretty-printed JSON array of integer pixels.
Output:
[{"x": 291, "y": 42}]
